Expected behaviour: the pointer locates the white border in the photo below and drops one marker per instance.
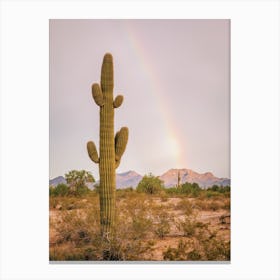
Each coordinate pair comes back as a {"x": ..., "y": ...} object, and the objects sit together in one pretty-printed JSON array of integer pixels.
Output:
[{"x": 254, "y": 138}]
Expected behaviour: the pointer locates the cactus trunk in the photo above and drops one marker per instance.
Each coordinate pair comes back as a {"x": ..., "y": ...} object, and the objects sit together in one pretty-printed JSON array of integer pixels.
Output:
[
  {"x": 179, "y": 180},
  {"x": 107, "y": 151},
  {"x": 110, "y": 149}
]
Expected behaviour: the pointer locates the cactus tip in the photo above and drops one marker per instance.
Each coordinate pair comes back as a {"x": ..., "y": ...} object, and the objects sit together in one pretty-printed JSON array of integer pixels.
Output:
[{"x": 108, "y": 57}]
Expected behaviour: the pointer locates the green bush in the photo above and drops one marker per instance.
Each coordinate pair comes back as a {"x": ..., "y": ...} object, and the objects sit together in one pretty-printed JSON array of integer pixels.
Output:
[
  {"x": 172, "y": 191},
  {"x": 191, "y": 189},
  {"x": 150, "y": 185},
  {"x": 81, "y": 191},
  {"x": 219, "y": 189},
  {"x": 59, "y": 190}
]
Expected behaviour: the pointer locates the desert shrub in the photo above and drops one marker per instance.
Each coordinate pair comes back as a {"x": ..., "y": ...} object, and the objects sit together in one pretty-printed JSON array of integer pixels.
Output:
[
  {"x": 209, "y": 204},
  {"x": 141, "y": 218},
  {"x": 226, "y": 204},
  {"x": 191, "y": 189},
  {"x": 190, "y": 226},
  {"x": 183, "y": 252},
  {"x": 82, "y": 191},
  {"x": 51, "y": 191},
  {"x": 78, "y": 227},
  {"x": 150, "y": 185},
  {"x": 70, "y": 202},
  {"x": 163, "y": 196},
  {"x": 177, "y": 254},
  {"x": 140, "y": 224},
  {"x": 201, "y": 204},
  {"x": 137, "y": 215},
  {"x": 216, "y": 249},
  {"x": 204, "y": 246},
  {"x": 216, "y": 191},
  {"x": 78, "y": 232},
  {"x": 59, "y": 190},
  {"x": 172, "y": 191},
  {"x": 123, "y": 248},
  {"x": 185, "y": 206},
  {"x": 194, "y": 255},
  {"x": 53, "y": 202},
  {"x": 130, "y": 240},
  {"x": 128, "y": 189},
  {"x": 214, "y": 206},
  {"x": 125, "y": 193},
  {"x": 66, "y": 253},
  {"x": 161, "y": 221},
  {"x": 214, "y": 188},
  {"x": 219, "y": 189},
  {"x": 63, "y": 190},
  {"x": 210, "y": 193},
  {"x": 162, "y": 227}
]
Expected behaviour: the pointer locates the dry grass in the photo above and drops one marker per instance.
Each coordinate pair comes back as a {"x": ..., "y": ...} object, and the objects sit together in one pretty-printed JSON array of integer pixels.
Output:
[{"x": 147, "y": 228}]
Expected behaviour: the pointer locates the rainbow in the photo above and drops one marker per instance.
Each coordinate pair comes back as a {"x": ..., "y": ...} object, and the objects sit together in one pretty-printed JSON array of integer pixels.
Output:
[{"x": 172, "y": 134}]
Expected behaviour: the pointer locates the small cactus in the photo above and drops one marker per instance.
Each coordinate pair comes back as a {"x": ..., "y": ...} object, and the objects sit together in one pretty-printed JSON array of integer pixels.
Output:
[
  {"x": 111, "y": 148},
  {"x": 179, "y": 180}
]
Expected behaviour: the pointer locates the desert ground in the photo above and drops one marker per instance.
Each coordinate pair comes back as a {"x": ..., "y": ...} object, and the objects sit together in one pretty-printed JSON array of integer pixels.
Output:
[{"x": 148, "y": 228}]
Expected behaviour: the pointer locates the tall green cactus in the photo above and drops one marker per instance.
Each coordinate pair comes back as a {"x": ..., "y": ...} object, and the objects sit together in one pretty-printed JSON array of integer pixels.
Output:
[{"x": 111, "y": 148}]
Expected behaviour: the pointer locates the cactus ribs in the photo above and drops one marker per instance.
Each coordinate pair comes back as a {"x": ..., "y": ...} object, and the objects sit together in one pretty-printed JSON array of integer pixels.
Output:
[{"x": 111, "y": 148}]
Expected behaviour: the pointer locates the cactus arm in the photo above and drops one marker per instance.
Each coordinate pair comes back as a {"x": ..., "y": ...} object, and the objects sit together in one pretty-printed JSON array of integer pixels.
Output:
[
  {"x": 121, "y": 139},
  {"x": 116, "y": 140},
  {"x": 117, "y": 163},
  {"x": 118, "y": 101},
  {"x": 92, "y": 152},
  {"x": 97, "y": 95}
]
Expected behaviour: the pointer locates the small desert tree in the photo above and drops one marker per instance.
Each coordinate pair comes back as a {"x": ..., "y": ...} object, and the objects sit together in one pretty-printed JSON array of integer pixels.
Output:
[
  {"x": 77, "y": 179},
  {"x": 150, "y": 184}
]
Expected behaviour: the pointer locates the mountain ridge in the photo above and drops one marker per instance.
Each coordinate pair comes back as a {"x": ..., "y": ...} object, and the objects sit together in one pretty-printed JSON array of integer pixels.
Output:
[
  {"x": 170, "y": 178},
  {"x": 204, "y": 180}
]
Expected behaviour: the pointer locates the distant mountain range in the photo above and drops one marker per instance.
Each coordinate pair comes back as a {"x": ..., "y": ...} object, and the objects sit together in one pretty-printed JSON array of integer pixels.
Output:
[
  {"x": 170, "y": 178},
  {"x": 204, "y": 180},
  {"x": 128, "y": 179},
  {"x": 57, "y": 180}
]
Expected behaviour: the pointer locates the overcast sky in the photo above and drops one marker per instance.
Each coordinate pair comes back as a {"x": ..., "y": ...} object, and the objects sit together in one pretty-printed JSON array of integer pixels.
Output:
[{"x": 174, "y": 75}]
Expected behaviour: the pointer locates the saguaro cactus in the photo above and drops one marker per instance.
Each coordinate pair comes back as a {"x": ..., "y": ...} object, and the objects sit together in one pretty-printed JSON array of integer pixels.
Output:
[
  {"x": 179, "y": 180},
  {"x": 111, "y": 148}
]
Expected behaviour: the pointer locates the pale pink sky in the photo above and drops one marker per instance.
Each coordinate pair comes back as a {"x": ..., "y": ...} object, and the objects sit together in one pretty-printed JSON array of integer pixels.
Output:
[{"x": 175, "y": 78}]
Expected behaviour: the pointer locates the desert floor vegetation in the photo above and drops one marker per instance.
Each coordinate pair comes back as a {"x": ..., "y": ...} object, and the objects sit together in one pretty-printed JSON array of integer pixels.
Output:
[{"x": 164, "y": 226}]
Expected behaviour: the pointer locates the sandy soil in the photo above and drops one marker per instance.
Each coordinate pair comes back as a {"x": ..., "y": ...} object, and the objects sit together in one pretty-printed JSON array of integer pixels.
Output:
[{"x": 218, "y": 220}]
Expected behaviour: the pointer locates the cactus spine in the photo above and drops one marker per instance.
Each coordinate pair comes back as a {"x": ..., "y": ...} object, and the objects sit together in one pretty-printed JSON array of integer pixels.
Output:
[{"x": 111, "y": 148}]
